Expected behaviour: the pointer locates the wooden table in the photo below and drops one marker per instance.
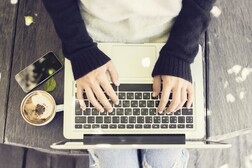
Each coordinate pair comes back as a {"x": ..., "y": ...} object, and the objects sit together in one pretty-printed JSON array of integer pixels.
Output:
[{"x": 226, "y": 43}]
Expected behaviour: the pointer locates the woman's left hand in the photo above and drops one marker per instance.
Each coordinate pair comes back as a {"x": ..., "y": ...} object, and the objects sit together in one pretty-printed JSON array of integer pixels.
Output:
[{"x": 182, "y": 91}]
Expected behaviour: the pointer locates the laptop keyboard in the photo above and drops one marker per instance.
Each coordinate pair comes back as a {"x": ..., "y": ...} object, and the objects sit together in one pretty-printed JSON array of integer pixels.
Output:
[{"x": 136, "y": 110}]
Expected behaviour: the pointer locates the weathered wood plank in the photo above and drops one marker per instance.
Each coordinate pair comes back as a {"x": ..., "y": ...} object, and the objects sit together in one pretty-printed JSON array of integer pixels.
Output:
[
  {"x": 32, "y": 42},
  {"x": 230, "y": 44},
  {"x": 37, "y": 159},
  {"x": 11, "y": 157},
  {"x": 239, "y": 155},
  {"x": 7, "y": 32}
]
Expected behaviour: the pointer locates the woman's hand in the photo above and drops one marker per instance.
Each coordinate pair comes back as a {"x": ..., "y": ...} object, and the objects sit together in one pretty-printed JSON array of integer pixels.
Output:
[
  {"x": 94, "y": 82},
  {"x": 182, "y": 91}
]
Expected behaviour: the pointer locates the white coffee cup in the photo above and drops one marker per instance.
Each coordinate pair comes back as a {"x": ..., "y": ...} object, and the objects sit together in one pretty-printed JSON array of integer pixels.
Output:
[{"x": 38, "y": 108}]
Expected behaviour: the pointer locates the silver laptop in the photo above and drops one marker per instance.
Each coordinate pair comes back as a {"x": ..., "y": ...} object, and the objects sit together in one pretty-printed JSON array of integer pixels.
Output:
[{"x": 135, "y": 122}]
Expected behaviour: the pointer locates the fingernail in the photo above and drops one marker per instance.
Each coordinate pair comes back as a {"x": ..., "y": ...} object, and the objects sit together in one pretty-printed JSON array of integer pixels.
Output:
[
  {"x": 83, "y": 108},
  {"x": 117, "y": 102},
  {"x": 154, "y": 94},
  {"x": 117, "y": 83},
  {"x": 101, "y": 111}
]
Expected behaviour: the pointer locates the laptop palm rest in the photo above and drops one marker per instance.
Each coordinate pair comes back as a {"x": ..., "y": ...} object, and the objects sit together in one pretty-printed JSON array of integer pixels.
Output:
[{"x": 94, "y": 139}]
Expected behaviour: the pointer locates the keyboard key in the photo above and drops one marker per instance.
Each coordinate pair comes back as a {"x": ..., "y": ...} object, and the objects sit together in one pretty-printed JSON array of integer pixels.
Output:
[
  {"x": 113, "y": 126},
  {"x": 147, "y": 126},
  {"x": 78, "y": 126},
  {"x": 144, "y": 111},
  {"x": 150, "y": 103},
  {"x": 128, "y": 111},
  {"x": 107, "y": 119},
  {"x": 154, "y": 98},
  {"x": 121, "y": 95},
  {"x": 189, "y": 126},
  {"x": 172, "y": 126},
  {"x": 95, "y": 126},
  {"x": 130, "y": 95},
  {"x": 87, "y": 111},
  {"x": 104, "y": 113},
  {"x": 177, "y": 112},
  {"x": 155, "y": 126},
  {"x": 80, "y": 119},
  {"x": 138, "y": 126},
  {"x": 189, "y": 119},
  {"x": 104, "y": 126},
  {"x": 157, "y": 103},
  {"x": 130, "y": 126},
  {"x": 99, "y": 119},
  {"x": 119, "y": 104},
  {"x": 156, "y": 119},
  {"x": 173, "y": 119},
  {"x": 164, "y": 126},
  {"x": 146, "y": 95},
  {"x": 140, "y": 119},
  {"x": 78, "y": 111},
  {"x": 153, "y": 111},
  {"x": 138, "y": 96},
  {"x": 132, "y": 119},
  {"x": 134, "y": 103},
  {"x": 181, "y": 119},
  {"x": 148, "y": 119},
  {"x": 115, "y": 119},
  {"x": 165, "y": 119},
  {"x": 121, "y": 126},
  {"x": 126, "y": 103},
  {"x": 181, "y": 126},
  {"x": 90, "y": 119},
  {"x": 112, "y": 113},
  {"x": 187, "y": 112},
  {"x": 124, "y": 119},
  {"x": 87, "y": 126},
  {"x": 142, "y": 103},
  {"x": 136, "y": 111},
  {"x": 119, "y": 111},
  {"x": 95, "y": 112}
]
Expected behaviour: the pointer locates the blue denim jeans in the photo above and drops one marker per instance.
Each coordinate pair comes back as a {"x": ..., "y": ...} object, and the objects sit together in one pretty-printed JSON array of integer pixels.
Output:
[{"x": 136, "y": 158}]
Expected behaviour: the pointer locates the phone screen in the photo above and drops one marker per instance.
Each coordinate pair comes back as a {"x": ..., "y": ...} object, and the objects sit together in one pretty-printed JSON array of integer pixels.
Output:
[{"x": 36, "y": 73}]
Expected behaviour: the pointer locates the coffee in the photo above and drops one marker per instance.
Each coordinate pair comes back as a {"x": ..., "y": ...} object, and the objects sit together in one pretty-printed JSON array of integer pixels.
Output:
[{"x": 38, "y": 107}]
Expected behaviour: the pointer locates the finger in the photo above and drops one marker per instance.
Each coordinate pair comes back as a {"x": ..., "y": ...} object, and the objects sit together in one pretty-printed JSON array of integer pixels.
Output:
[
  {"x": 109, "y": 90},
  {"x": 113, "y": 73},
  {"x": 164, "y": 97},
  {"x": 183, "y": 98},
  {"x": 156, "y": 85},
  {"x": 92, "y": 99},
  {"x": 175, "y": 99},
  {"x": 80, "y": 98},
  {"x": 101, "y": 97},
  {"x": 190, "y": 93}
]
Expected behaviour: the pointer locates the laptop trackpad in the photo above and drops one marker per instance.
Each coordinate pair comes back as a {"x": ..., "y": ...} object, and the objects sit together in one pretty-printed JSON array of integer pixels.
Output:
[{"x": 134, "y": 63}]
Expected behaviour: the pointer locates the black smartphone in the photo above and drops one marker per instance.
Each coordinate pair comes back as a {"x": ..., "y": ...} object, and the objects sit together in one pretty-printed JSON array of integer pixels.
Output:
[{"x": 38, "y": 72}]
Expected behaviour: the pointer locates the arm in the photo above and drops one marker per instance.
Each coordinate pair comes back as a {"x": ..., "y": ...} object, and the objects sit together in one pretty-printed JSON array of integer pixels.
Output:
[
  {"x": 77, "y": 45},
  {"x": 173, "y": 64},
  {"x": 182, "y": 45},
  {"x": 89, "y": 64}
]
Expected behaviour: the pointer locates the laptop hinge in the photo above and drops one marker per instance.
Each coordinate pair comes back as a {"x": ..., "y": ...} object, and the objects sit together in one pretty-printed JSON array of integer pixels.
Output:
[{"x": 93, "y": 139}]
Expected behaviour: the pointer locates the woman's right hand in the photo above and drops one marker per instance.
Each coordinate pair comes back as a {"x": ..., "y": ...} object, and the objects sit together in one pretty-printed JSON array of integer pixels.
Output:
[{"x": 93, "y": 83}]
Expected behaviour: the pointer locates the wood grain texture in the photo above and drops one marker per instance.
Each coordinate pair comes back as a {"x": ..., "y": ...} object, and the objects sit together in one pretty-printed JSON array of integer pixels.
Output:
[
  {"x": 7, "y": 32},
  {"x": 238, "y": 156},
  {"x": 32, "y": 42},
  {"x": 11, "y": 157},
  {"x": 37, "y": 159},
  {"x": 230, "y": 44}
]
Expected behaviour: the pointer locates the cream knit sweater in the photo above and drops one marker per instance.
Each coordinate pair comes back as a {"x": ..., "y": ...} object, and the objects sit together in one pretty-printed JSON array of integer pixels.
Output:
[{"x": 133, "y": 21}]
